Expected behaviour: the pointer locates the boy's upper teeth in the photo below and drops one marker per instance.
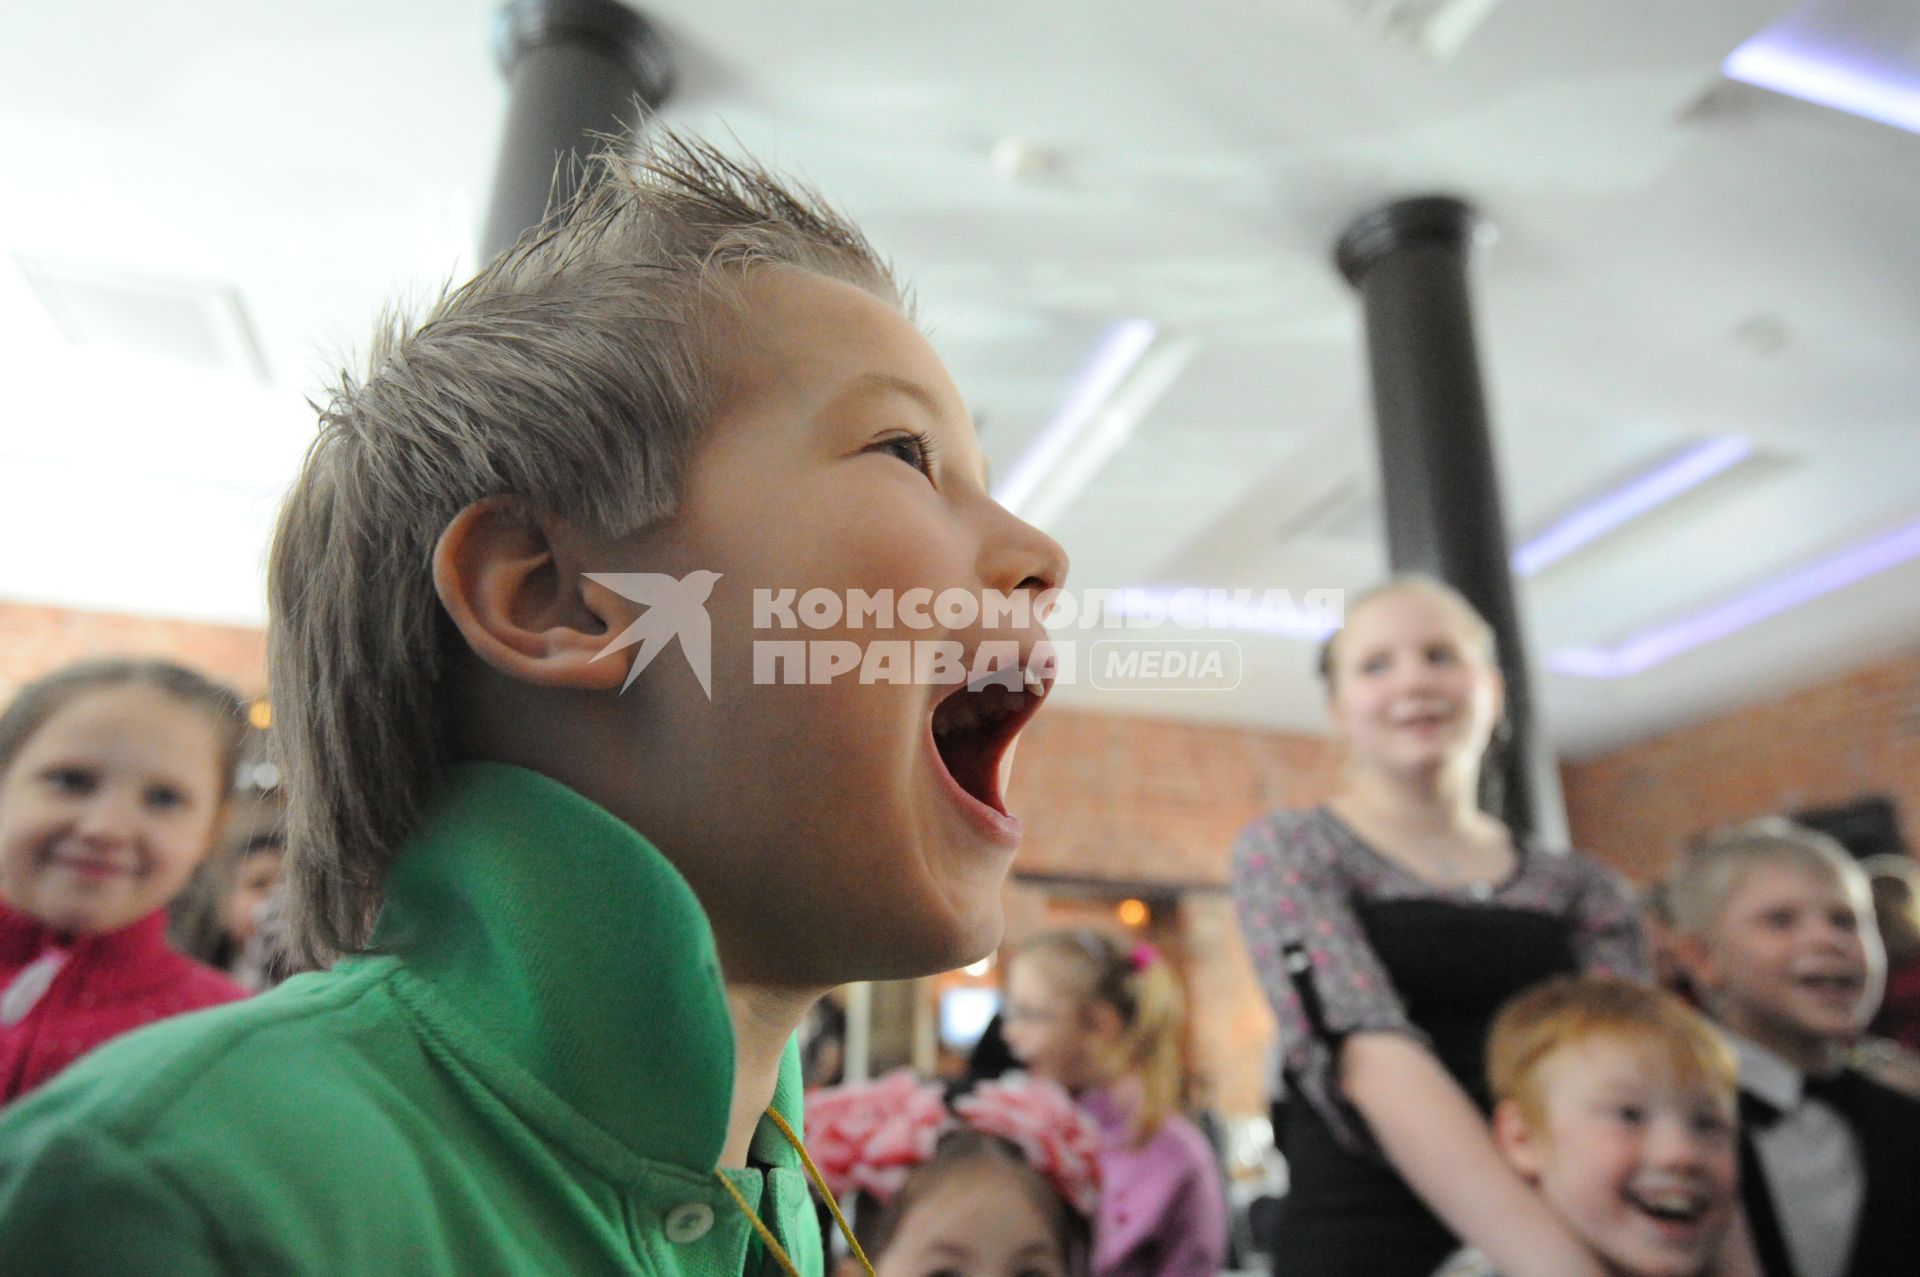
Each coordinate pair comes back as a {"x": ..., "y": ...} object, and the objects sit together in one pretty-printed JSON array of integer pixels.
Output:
[
  {"x": 969, "y": 707},
  {"x": 1032, "y": 679},
  {"x": 1673, "y": 1202}
]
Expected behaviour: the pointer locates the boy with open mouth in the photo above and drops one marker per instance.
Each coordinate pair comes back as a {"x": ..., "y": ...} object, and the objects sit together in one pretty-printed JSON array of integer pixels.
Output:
[
  {"x": 1779, "y": 938},
  {"x": 1618, "y": 1104},
  {"x": 581, "y": 896}
]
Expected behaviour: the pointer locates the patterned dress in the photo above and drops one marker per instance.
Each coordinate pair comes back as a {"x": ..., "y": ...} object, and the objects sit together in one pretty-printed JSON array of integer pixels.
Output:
[{"x": 1346, "y": 940}]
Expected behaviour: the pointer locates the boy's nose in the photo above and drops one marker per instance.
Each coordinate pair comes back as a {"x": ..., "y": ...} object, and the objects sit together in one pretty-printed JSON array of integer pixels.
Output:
[
  {"x": 1022, "y": 557},
  {"x": 1831, "y": 935},
  {"x": 1676, "y": 1143}
]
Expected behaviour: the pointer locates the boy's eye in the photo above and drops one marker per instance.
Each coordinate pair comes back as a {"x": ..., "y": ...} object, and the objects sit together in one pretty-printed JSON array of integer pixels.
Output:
[
  {"x": 1441, "y": 655},
  {"x": 71, "y": 780},
  {"x": 165, "y": 796},
  {"x": 914, "y": 448},
  {"x": 1712, "y": 1124},
  {"x": 1844, "y": 920},
  {"x": 1630, "y": 1114},
  {"x": 1373, "y": 664}
]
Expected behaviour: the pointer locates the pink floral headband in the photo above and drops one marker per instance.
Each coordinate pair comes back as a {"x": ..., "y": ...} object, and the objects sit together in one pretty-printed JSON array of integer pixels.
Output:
[{"x": 869, "y": 1136}]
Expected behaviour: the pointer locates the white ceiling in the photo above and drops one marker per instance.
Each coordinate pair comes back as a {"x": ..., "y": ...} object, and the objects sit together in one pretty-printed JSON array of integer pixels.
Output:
[{"x": 1678, "y": 257}]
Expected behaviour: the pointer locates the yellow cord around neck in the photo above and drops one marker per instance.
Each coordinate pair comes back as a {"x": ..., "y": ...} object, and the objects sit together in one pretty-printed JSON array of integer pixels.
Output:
[{"x": 767, "y": 1238}]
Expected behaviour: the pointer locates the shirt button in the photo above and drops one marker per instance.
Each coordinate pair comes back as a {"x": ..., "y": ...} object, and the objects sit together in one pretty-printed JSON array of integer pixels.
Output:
[{"x": 689, "y": 1222}]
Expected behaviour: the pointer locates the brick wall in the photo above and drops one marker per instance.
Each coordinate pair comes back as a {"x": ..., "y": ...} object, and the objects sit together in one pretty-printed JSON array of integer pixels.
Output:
[
  {"x": 1152, "y": 799},
  {"x": 35, "y": 640},
  {"x": 1858, "y": 734},
  {"x": 1148, "y": 801}
]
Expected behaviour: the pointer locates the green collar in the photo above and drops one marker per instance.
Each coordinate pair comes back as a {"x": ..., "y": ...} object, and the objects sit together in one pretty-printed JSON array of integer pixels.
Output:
[{"x": 573, "y": 947}]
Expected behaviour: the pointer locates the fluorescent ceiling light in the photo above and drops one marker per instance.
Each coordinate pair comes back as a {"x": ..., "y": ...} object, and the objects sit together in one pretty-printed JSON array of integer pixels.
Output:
[
  {"x": 1109, "y": 430},
  {"x": 1830, "y": 79},
  {"x": 1678, "y": 474},
  {"x": 1120, "y": 348},
  {"x": 1653, "y": 647},
  {"x": 1671, "y": 478}
]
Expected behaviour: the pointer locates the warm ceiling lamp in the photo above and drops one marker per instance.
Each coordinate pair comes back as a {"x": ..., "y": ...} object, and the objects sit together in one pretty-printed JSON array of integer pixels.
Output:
[{"x": 1133, "y": 913}]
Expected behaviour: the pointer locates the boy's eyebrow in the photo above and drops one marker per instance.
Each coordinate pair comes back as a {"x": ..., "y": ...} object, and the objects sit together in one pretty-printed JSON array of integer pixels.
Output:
[{"x": 901, "y": 385}]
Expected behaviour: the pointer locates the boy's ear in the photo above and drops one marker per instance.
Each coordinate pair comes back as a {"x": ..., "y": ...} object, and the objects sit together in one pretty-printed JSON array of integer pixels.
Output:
[
  {"x": 1515, "y": 1139},
  {"x": 513, "y": 581},
  {"x": 1696, "y": 958}
]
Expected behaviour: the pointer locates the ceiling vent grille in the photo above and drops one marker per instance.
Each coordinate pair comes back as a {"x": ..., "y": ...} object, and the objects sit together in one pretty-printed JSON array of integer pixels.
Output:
[
  {"x": 1435, "y": 27},
  {"x": 197, "y": 322}
]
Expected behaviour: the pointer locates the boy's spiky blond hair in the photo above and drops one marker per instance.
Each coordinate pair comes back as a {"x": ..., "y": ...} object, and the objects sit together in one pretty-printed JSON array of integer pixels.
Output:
[
  {"x": 576, "y": 372},
  {"x": 1570, "y": 1010},
  {"x": 1718, "y": 862}
]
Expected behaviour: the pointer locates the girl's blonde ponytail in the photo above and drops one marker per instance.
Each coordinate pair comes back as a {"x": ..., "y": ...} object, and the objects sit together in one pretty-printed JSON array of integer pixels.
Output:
[{"x": 1136, "y": 981}]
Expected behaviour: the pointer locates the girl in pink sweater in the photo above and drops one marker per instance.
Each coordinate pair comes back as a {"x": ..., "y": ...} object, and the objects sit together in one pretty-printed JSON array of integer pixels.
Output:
[{"x": 1103, "y": 1018}]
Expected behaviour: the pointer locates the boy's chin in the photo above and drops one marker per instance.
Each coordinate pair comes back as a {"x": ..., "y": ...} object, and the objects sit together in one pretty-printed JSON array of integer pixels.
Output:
[
  {"x": 1832, "y": 1030},
  {"x": 941, "y": 943},
  {"x": 1827, "y": 1022}
]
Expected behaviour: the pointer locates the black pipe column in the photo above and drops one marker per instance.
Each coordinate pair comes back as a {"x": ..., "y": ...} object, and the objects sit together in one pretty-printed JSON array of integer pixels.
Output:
[
  {"x": 574, "y": 68},
  {"x": 1409, "y": 261}
]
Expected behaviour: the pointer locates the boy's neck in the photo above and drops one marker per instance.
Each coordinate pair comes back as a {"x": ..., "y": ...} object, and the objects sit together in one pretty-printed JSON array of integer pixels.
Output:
[{"x": 764, "y": 1018}]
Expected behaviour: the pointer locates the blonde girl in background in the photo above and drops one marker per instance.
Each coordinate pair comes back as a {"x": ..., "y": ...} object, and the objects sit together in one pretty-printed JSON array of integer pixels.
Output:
[
  {"x": 1103, "y": 1018},
  {"x": 1387, "y": 927}
]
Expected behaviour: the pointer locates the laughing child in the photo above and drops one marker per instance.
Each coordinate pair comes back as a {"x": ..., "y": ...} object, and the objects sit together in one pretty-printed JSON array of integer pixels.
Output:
[
  {"x": 1779, "y": 938},
  {"x": 115, "y": 778},
  {"x": 578, "y": 921},
  {"x": 1616, "y": 1103}
]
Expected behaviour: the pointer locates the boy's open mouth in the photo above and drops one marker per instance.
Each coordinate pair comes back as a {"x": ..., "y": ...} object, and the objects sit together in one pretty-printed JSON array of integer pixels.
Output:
[
  {"x": 973, "y": 726},
  {"x": 1833, "y": 984},
  {"x": 1674, "y": 1208}
]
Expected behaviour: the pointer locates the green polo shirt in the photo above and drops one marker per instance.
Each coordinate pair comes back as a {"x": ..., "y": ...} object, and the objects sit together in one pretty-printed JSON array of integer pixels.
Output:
[{"x": 531, "y": 1074}]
